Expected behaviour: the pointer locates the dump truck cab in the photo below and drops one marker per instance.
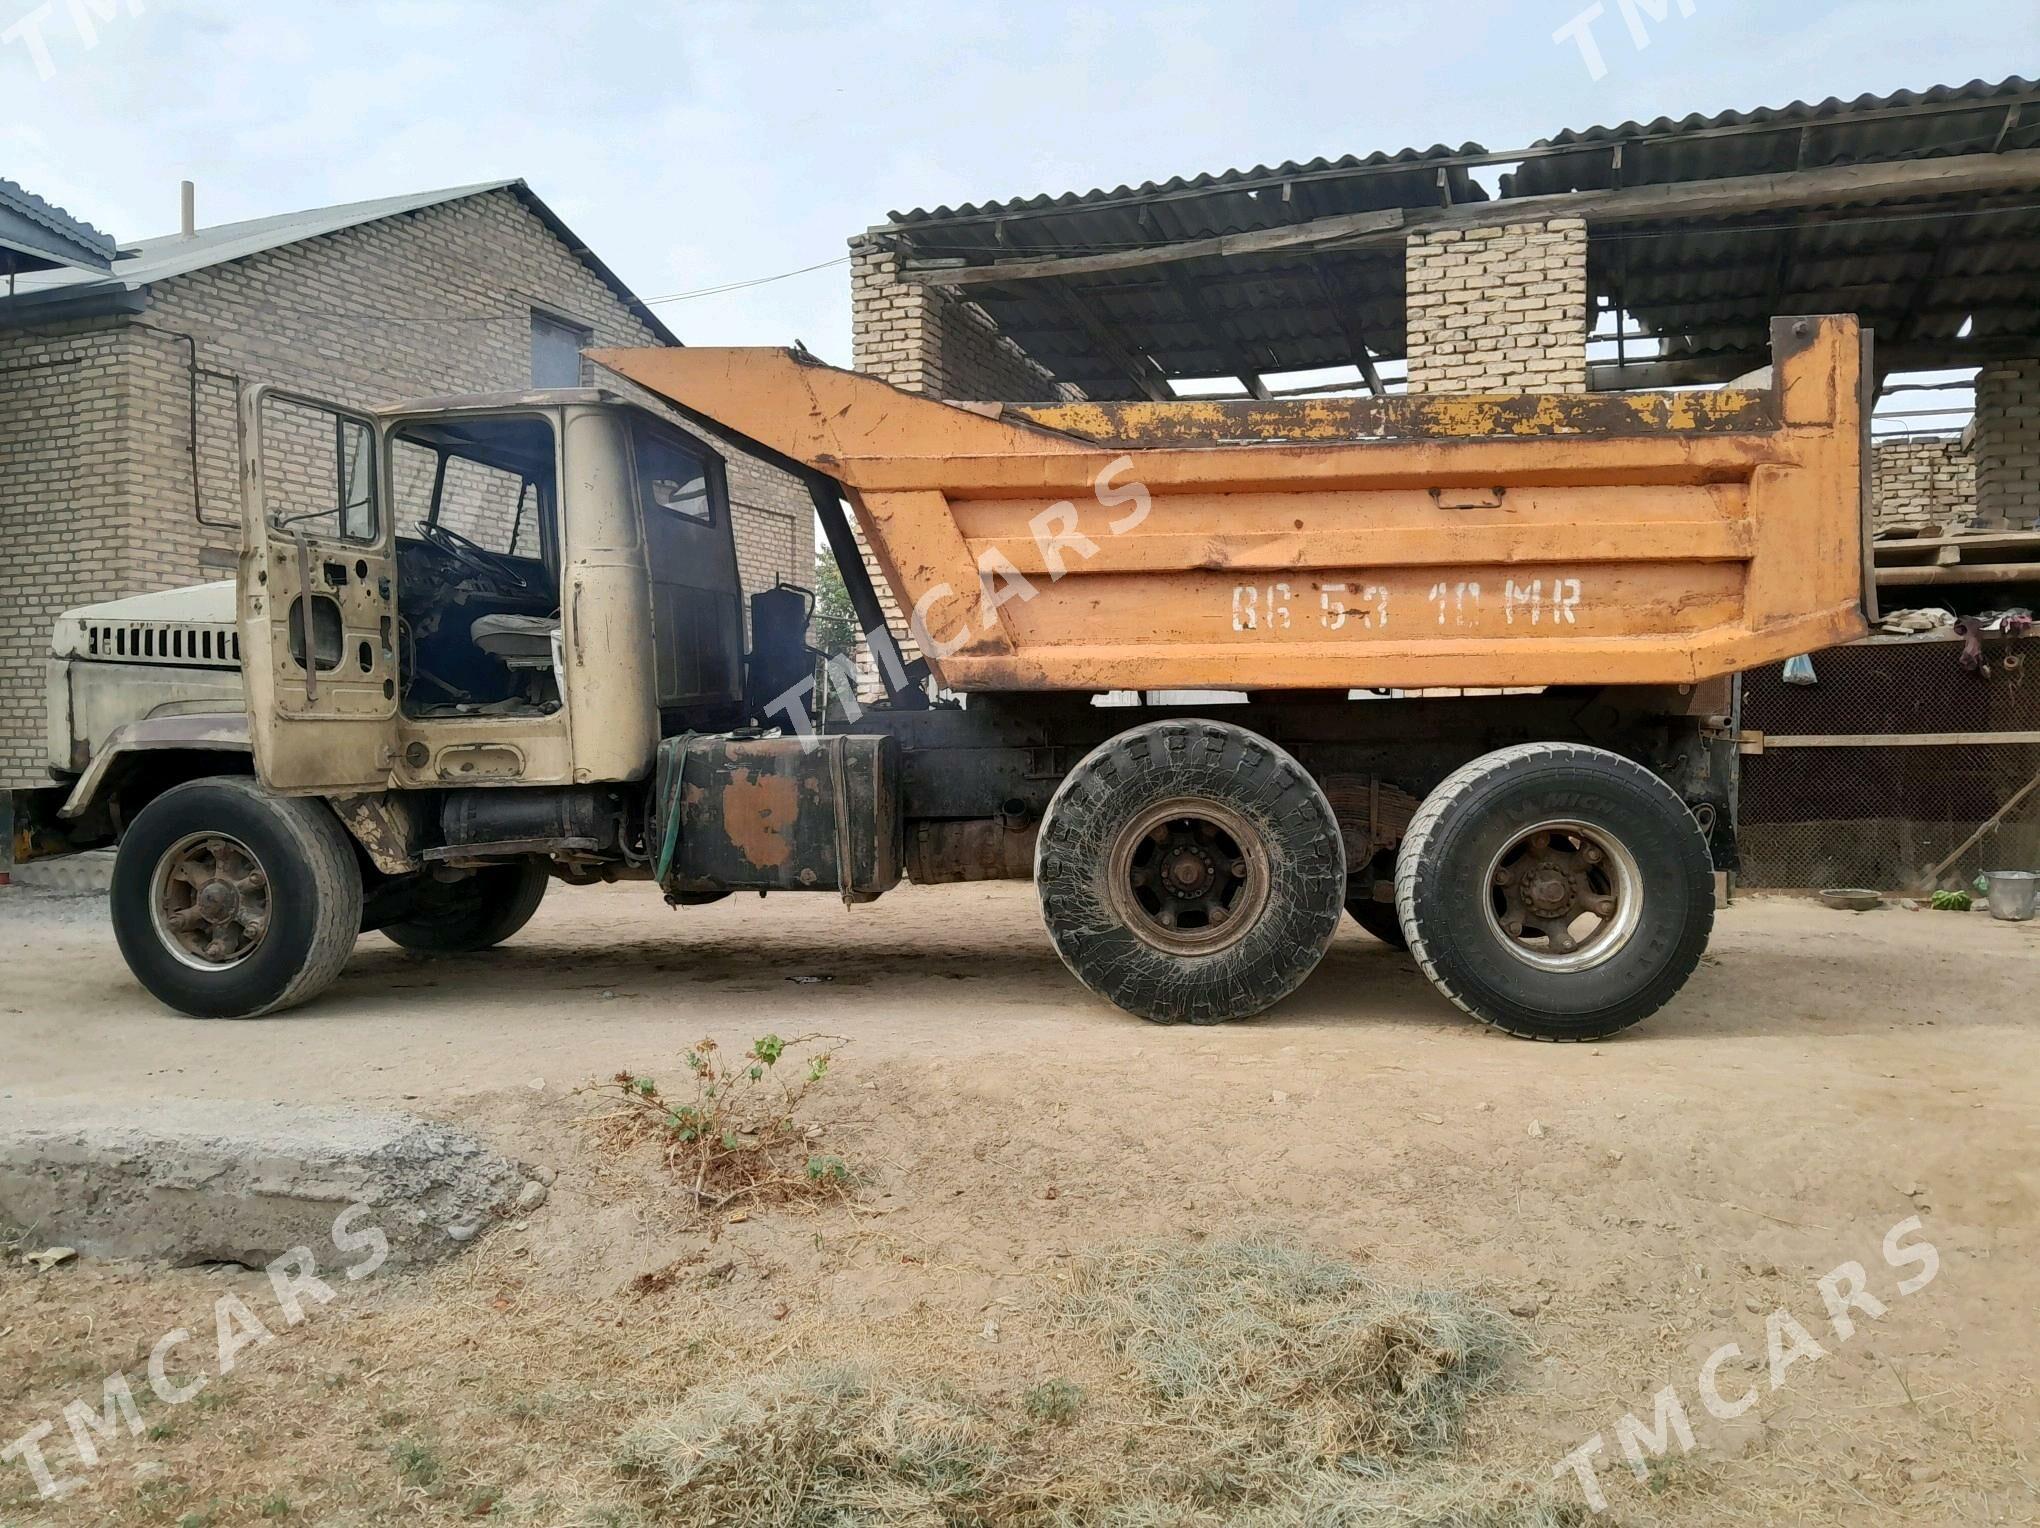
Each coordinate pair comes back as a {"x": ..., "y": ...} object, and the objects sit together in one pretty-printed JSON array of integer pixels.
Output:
[
  {"x": 512, "y": 590},
  {"x": 458, "y": 631}
]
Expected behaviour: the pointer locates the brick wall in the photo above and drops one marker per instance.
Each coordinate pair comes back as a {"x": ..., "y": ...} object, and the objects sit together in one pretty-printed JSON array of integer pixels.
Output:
[
  {"x": 1499, "y": 309},
  {"x": 1925, "y": 482},
  {"x": 928, "y": 341},
  {"x": 2008, "y": 446},
  {"x": 429, "y": 303},
  {"x": 64, "y": 467}
]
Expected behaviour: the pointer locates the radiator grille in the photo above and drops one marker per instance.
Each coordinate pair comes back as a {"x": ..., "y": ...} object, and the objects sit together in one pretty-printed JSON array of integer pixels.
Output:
[{"x": 173, "y": 642}]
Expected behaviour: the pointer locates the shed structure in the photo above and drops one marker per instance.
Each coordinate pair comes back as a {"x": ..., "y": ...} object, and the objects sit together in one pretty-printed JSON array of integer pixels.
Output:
[
  {"x": 1640, "y": 255},
  {"x": 1680, "y": 239}
]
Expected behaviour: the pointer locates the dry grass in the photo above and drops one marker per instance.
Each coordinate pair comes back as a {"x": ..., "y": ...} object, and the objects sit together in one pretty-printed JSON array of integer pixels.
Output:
[
  {"x": 1271, "y": 1347},
  {"x": 1253, "y": 1382},
  {"x": 476, "y": 1393},
  {"x": 815, "y": 1445}
]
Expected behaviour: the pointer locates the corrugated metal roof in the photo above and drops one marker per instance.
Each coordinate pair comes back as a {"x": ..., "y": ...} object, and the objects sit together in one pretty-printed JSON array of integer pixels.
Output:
[
  {"x": 1917, "y": 270},
  {"x": 1948, "y": 119},
  {"x": 1276, "y": 312},
  {"x": 172, "y": 255},
  {"x": 1200, "y": 187},
  {"x": 34, "y": 235}
]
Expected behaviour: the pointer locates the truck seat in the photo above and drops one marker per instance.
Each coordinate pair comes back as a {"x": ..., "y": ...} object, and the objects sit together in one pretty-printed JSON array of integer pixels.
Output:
[{"x": 521, "y": 641}]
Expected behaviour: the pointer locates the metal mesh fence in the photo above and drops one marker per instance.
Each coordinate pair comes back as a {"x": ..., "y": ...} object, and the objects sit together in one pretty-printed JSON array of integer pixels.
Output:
[{"x": 1896, "y": 815}]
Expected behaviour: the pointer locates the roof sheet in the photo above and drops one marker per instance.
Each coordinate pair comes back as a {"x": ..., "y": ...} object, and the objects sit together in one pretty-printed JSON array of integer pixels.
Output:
[
  {"x": 171, "y": 255},
  {"x": 35, "y": 234},
  {"x": 1916, "y": 270},
  {"x": 1213, "y": 318},
  {"x": 1948, "y": 119}
]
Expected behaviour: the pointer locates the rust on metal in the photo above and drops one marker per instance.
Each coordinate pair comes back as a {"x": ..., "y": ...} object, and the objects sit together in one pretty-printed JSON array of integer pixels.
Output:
[
  {"x": 389, "y": 826},
  {"x": 1469, "y": 416},
  {"x": 1644, "y": 538},
  {"x": 970, "y": 849},
  {"x": 759, "y": 809}
]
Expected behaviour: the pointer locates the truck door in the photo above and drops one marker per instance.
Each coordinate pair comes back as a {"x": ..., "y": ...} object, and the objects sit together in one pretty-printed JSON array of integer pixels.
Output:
[
  {"x": 317, "y": 595},
  {"x": 690, "y": 555}
]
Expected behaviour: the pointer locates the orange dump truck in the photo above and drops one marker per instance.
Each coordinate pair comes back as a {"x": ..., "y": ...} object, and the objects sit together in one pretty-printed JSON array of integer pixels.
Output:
[
  {"x": 1546, "y": 854},
  {"x": 1210, "y": 674}
]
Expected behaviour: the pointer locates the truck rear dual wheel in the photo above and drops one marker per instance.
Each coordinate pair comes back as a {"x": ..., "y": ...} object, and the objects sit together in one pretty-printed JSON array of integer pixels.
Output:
[
  {"x": 1555, "y": 891},
  {"x": 229, "y": 903},
  {"x": 476, "y": 912},
  {"x": 1379, "y": 919},
  {"x": 1190, "y": 871}
]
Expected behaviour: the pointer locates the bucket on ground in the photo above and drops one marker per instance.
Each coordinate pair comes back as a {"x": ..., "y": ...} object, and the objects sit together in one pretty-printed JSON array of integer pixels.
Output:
[{"x": 2012, "y": 894}]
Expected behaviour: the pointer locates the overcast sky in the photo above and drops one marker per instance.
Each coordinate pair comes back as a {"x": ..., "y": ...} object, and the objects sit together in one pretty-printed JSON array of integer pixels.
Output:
[{"x": 699, "y": 144}]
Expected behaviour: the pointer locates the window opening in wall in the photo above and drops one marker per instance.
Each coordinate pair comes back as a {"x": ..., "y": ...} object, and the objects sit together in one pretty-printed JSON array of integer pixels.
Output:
[{"x": 556, "y": 347}]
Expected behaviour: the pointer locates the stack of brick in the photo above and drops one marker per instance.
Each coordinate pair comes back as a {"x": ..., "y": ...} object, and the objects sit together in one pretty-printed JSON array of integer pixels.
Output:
[
  {"x": 1499, "y": 309},
  {"x": 1925, "y": 482},
  {"x": 2008, "y": 446}
]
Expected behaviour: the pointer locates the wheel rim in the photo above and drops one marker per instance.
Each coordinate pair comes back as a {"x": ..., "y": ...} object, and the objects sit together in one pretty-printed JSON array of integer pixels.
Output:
[
  {"x": 1564, "y": 896},
  {"x": 209, "y": 901},
  {"x": 1189, "y": 876}
]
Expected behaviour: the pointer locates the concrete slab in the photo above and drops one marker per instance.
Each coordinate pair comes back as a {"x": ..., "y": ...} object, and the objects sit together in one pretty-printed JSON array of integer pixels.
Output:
[{"x": 193, "y": 1181}]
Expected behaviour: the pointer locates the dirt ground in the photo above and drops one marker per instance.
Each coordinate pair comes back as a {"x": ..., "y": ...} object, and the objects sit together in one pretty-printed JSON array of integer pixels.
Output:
[{"x": 1632, "y": 1204}]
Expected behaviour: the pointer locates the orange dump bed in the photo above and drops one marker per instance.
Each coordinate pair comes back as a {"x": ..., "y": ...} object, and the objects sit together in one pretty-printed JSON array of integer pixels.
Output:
[{"x": 1645, "y": 538}]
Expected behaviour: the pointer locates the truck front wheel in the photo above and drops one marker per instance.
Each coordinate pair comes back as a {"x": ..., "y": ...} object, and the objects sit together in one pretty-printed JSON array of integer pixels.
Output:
[
  {"x": 1556, "y": 891},
  {"x": 1190, "y": 871},
  {"x": 229, "y": 903},
  {"x": 477, "y": 912}
]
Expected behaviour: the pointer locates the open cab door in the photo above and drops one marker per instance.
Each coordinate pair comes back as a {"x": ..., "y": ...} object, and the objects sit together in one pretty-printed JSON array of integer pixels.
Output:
[{"x": 317, "y": 598}]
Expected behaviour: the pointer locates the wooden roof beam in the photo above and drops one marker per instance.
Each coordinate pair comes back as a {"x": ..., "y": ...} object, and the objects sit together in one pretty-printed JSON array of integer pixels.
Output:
[
  {"x": 1237, "y": 361},
  {"x": 1141, "y": 372},
  {"x": 1337, "y": 300}
]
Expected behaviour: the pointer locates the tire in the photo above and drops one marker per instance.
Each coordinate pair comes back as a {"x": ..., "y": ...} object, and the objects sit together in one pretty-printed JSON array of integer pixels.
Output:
[
  {"x": 307, "y": 903},
  {"x": 1379, "y": 919},
  {"x": 1254, "y": 902},
  {"x": 477, "y": 913},
  {"x": 1611, "y": 909}
]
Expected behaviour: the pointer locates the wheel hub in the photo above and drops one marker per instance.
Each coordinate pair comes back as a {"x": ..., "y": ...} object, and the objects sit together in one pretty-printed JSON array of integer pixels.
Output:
[
  {"x": 1190, "y": 872},
  {"x": 1565, "y": 896},
  {"x": 1549, "y": 890},
  {"x": 1189, "y": 876},
  {"x": 210, "y": 901}
]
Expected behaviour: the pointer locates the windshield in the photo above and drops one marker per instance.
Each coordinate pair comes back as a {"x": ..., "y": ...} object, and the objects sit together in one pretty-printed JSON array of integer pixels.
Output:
[{"x": 488, "y": 480}]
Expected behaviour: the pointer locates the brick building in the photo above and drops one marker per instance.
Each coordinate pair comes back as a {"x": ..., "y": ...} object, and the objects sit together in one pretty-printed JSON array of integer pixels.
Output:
[{"x": 118, "y": 425}]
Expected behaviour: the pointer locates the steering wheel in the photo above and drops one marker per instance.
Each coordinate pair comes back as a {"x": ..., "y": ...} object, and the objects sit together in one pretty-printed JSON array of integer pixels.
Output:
[{"x": 478, "y": 560}]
